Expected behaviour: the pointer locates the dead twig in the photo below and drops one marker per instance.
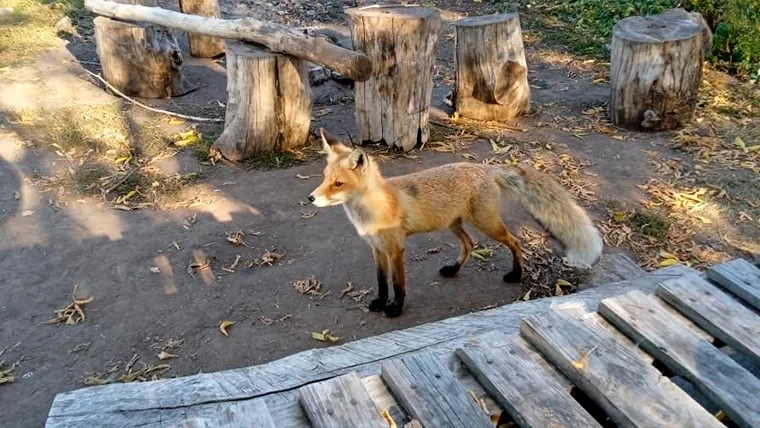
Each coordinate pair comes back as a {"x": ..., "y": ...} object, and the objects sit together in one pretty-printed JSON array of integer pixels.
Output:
[{"x": 137, "y": 103}]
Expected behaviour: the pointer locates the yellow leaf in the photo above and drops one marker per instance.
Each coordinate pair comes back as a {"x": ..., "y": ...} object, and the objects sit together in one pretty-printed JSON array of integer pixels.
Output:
[
  {"x": 176, "y": 121},
  {"x": 666, "y": 255},
  {"x": 325, "y": 336},
  {"x": 225, "y": 325},
  {"x": 740, "y": 143},
  {"x": 482, "y": 253},
  {"x": 122, "y": 159},
  {"x": 668, "y": 262},
  {"x": 187, "y": 141},
  {"x": 754, "y": 148},
  {"x": 619, "y": 217}
]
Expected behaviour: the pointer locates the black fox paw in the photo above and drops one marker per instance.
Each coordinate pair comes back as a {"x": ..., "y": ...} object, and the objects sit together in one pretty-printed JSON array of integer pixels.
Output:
[
  {"x": 394, "y": 309},
  {"x": 449, "y": 271},
  {"x": 377, "y": 305},
  {"x": 514, "y": 276}
]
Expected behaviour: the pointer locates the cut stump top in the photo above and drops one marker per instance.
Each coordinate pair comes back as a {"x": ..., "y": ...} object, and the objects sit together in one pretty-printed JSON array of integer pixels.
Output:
[
  {"x": 479, "y": 21},
  {"x": 655, "y": 29},
  {"x": 393, "y": 12}
]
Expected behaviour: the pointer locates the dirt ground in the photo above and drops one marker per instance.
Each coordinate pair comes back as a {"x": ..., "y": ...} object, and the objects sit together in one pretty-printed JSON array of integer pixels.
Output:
[{"x": 200, "y": 243}]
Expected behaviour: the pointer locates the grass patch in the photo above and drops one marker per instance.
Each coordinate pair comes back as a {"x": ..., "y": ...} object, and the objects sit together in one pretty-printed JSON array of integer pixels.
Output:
[
  {"x": 30, "y": 27},
  {"x": 273, "y": 160},
  {"x": 648, "y": 224}
]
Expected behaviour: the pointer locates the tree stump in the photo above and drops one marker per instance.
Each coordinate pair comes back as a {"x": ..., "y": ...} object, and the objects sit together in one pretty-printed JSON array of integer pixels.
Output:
[
  {"x": 268, "y": 102},
  {"x": 656, "y": 69},
  {"x": 393, "y": 105},
  {"x": 491, "y": 74},
  {"x": 138, "y": 59},
  {"x": 203, "y": 46}
]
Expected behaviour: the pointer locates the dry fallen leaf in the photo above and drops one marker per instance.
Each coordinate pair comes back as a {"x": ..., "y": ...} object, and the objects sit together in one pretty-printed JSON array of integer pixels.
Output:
[
  {"x": 388, "y": 419},
  {"x": 482, "y": 253},
  {"x": 163, "y": 355},
  {"x": 16, "y": 195},
  {"x": 27, "y": 213},
  {"x": 310, "y": 286},
  {"x": 73, "y": 313},
  {"x": 237, "y": 238},
  {"x": 307, "y": 215},
  {"x": 325, "y": 336},
  {"x": 225, "y": 325},
  {"x": 583, "y": 362}
]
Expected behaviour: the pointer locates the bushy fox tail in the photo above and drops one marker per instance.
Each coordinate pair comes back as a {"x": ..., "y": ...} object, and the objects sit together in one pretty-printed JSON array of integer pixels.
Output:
[{"x": 556, "y": 209}]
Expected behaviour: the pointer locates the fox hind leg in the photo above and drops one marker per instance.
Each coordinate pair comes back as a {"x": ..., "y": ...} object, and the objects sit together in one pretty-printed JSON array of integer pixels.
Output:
[
  {"x": 492, "y": 225},
  {"x": 467, "y": 244}
]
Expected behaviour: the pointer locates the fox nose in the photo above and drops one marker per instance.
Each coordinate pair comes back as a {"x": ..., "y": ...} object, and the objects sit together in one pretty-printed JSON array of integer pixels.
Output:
[{"x": 311, "y": 198}]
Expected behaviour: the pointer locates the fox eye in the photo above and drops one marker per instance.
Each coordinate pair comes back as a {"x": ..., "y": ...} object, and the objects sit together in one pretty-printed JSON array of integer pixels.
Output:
[{"x": 338, "y": 183}]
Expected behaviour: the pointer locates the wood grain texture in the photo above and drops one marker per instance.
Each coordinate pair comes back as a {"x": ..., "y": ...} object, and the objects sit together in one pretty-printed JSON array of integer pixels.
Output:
[
  {"x": 203, "y": 46},
  {"x": 278, "y": 38},
  {"x": 630, "y": 391},
  {"x": 715, "y": 311},
  {"x": 341, "y": 402},
  {"x": 720, "y": 378},
  {"x": 520, "y": 385},
  {"x": 393, "y": 105},
  {"x": 655, "y": 71},
  {"x": 268, "y": 103},
  {"x": 739, "y": 277},
  {"x": 239, "y": 414},
  {"x": 491, "y": 73},
  {"x": 137, "y": 404},
  {"x": 431, "y": 394},
  {"x": 140, "y": 60}
]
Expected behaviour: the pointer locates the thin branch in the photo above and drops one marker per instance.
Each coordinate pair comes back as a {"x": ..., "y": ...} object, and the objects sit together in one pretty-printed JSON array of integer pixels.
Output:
[{"x": 169, "y": 113}]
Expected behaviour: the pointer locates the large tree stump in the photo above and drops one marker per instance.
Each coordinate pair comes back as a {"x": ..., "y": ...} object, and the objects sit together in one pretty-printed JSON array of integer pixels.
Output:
[
  {"x": 656, "y": 69},
  {"x": 203, "y": 46},
  {"x": 491, "y": 74},
  {"x": 401, "y": 42},
  {"x": 268, "y": 102},
  {"x": 139, "y": 59}
]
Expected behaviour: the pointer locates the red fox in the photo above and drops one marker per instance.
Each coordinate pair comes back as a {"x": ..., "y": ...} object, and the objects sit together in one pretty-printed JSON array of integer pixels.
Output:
[{"x": 386, "y": 211}]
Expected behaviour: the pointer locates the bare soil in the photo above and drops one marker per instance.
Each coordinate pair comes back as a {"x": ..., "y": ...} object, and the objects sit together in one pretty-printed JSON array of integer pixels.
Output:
[{"x": 162, "y": 276}]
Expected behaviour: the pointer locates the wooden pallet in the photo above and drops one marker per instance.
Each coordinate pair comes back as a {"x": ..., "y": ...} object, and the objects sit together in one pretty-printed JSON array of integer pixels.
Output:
[
  {"x": 597, "y": 352},
  {"x": 575, "y": 361}
]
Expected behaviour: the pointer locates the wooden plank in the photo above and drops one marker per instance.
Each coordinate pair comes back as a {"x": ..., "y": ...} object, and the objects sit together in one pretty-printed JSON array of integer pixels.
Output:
[
  {"x": 242, "y": 414},
  {"x": 341, "y": 402},
  {"x": 715, "y": 311},
  {"x": 721, "y": 379},
  {"x": 630, "y": 391},
  {"x": 528, "y": 393},
  {"x": 431, "y": 394},
  {"x": 137, "y": 404},
  {"x": 739, "y": 277}
]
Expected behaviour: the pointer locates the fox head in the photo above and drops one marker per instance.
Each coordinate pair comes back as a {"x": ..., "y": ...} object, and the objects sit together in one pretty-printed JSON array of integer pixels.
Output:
[{"x": 346, "y": 173}]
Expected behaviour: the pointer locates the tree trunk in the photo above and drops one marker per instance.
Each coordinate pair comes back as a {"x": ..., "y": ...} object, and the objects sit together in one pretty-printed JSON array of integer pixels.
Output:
[
  {"x": 139, "y": 59},
  {"x": 492, "y": 76},
  {"x": 656, "y": 70},
  {"x": 268, "y": 102},
  {"x": 401, "y": 42},
  {"x": 278, "y": 38},
  {"x": 203, "y": 46}
]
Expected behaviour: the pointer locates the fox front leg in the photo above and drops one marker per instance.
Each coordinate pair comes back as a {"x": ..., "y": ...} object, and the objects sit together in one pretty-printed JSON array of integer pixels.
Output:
[
  {"x": 395, "y": 308},
  {"x": 381, "y": 264}
]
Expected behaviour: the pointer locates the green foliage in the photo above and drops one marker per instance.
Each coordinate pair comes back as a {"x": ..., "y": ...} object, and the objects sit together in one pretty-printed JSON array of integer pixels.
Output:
[{"x": 586, "y": 25}]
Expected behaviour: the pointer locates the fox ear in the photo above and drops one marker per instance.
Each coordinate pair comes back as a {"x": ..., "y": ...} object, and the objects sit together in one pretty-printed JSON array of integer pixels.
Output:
[
  {"x": 357, "y": 159},
  {"x": 330, "y": 142}
]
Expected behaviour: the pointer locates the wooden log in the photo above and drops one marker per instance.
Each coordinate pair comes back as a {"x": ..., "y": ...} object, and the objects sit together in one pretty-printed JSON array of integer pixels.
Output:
[
  {"x": 393, "y": 105},
  {"x": 491, "y": 73},
  {"x": 268, "y": 102},
  {"x": 740, "y": 278},
  {"x": 203, "y": 46},
  {"x": 340, "y": 402},
  {"x": 278, "y": 38},
  {"x": 140, "y": 59},
  {"x": 655, "y": 71}
]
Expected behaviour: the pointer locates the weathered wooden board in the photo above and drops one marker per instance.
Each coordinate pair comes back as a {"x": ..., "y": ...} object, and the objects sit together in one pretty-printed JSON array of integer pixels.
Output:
[
  {"x": 630, "y": 390},
  {"x": 341, "y": 402},
  {"x": 720, "y": 378},
  {"x": 715, "y": 311},
  {"x": 528, "y": 393},
  {"x": 137, "y": 404},
  {"x": 239, "y": 414},
  {"x": 431, "y": 394},
  {"x": 739, "y": 277}
]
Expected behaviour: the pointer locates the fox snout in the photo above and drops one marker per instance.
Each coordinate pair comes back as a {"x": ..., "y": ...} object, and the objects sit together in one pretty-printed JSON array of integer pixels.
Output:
[{"x": 311, "y": 197}]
